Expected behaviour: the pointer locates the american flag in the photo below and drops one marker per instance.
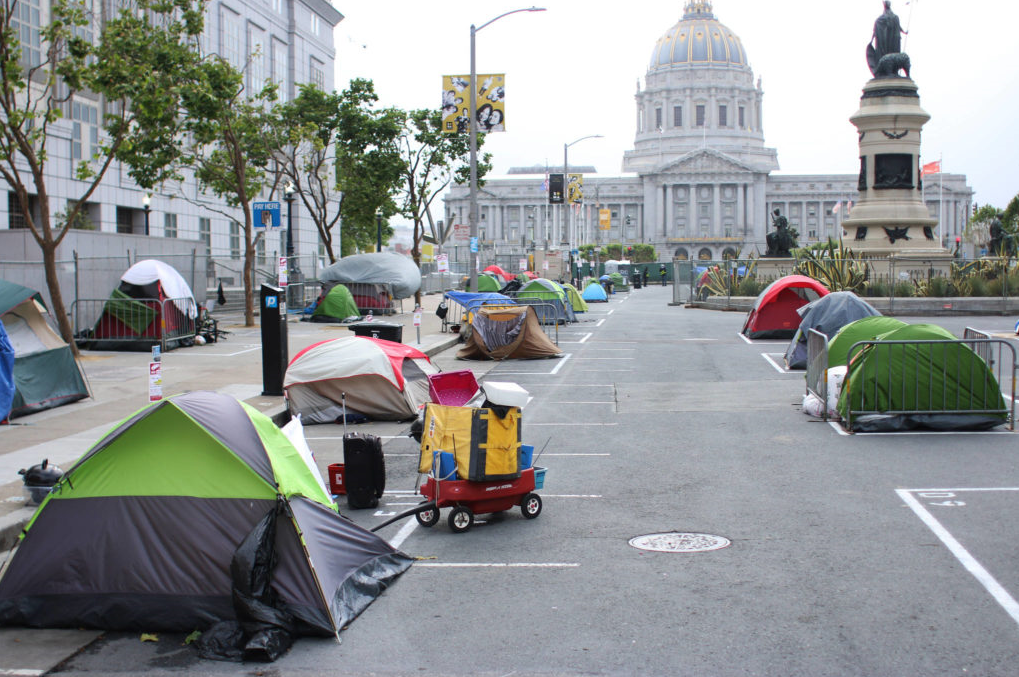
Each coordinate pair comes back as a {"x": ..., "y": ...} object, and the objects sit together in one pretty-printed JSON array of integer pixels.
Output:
[{"x": 544, "y": 184}]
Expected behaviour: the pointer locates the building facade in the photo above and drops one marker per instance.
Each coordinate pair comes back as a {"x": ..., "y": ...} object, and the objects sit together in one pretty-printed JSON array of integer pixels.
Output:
[
  {"x": 699, "y": 182},
  {"x": 289, "y": 42}
]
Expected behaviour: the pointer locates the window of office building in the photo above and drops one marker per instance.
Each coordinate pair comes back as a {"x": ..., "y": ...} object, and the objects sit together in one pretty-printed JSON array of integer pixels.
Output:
[
  {"x": 84, "y": 133},
  {"x": 279, "y": 70},
  {"x": 317, "y": 74},
  {"x": 256, "y": 67},
  {"x": 235, "y": 240},
  {"x": 230, "y": 39},
  {"x": 205, "y": 233},
  {"x": 27, "y": 21},
  {"x": 677, "y": 116},
  {"x": 169, "y": 225}
]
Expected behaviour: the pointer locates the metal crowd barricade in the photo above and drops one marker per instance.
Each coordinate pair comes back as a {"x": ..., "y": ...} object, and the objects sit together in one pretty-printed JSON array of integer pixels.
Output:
[
  {"x": 817, "y": 368},
  {"x": 458, "y": 315},
  {"x": 998, "y": 354},
  {"x": 373, "y": 297},
  {"x": 127, "y": 321}
]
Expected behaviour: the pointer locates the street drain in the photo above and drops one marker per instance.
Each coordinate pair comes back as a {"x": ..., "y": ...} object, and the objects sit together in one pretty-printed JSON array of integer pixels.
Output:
[{"x": 674, "y": 541}]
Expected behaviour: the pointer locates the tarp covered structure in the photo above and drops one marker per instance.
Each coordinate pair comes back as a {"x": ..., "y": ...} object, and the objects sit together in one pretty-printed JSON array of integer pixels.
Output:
[
  {"x": 553, "y": 306},
  {"x": 506, "y": 277},
  {"x": 901, "y": 386},
  {"x": 137, "y": 309},
  {"x": 380, "y": 379},
  {"x": 826, "y": 315},
  {"x": 155, "y": 527},
  {"x": 337, "y": 304},
  {"x": 395, "y": 270},
  {"x": 45, "y": 373},
  {"x": 594, "y": 292},
  {"x": 508, "y": 332},
  {"x": 774, "y": 313},
  {"x": 864, "y": 329}
]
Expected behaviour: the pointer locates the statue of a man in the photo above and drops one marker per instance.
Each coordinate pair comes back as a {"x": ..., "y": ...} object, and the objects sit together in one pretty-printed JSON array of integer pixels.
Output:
[
  {"x": 781, "y": 241},
  {"x": 886, "y": 38}
]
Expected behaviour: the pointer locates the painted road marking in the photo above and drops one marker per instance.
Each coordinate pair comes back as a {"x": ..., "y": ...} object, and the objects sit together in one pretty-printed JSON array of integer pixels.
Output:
[
  {"x": 779, "y": 368},
  {"x": 498, "y": 565},
  {"x": 978, "y": 571},
  {"x": 898, "y": 433}
]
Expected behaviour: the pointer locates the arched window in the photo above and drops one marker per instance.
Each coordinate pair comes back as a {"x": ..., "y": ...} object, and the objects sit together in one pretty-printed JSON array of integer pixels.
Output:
[
  {"x": 682, "y": 254},
  {"x": 704, "y": 254},
  {"x": 728, "y": 253}
]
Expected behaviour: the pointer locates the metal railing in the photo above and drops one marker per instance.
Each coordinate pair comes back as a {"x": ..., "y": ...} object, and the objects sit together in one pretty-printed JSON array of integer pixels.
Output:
[
  {"x": 817, "y": 368},
  {"x": 549, "y": 312},
  {"x": 905, "y": 371},
  {"x": 458, "y": 316},
  {"x": 133, "y": 323}
]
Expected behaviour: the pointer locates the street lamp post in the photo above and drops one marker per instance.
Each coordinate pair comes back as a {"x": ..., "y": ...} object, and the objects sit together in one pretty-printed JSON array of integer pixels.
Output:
[
  {"x": 566, "y": 181},
  {"x": 146, "y": 205},
  {"x": 294, "y": 281},
  {"x": 378, "y": 231},
  {"x": 472, "y": 214}
]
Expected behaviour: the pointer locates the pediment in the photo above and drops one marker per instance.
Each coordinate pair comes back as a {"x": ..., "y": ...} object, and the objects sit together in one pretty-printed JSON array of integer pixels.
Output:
[{"x": 706, "y": 161}]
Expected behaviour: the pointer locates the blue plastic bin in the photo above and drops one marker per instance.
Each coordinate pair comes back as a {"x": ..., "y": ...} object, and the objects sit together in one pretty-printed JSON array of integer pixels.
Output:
[
  {"x": 526, "y": 453},
  {"x": 539, "y": 477},
  {"x": 444, "y": 465}
]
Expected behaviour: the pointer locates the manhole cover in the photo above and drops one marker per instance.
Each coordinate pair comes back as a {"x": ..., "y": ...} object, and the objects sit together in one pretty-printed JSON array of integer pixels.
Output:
[{"x": 674, "y": 541}]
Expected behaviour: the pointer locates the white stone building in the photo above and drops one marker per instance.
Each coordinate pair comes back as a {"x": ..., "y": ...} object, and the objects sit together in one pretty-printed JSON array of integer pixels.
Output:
[
  {"x": 287, "y": 41},
  {"x": 699, "y": 182}
]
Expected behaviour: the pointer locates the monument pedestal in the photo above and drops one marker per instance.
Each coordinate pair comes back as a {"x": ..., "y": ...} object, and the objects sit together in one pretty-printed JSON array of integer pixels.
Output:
[{"x": 890, "y": 217}]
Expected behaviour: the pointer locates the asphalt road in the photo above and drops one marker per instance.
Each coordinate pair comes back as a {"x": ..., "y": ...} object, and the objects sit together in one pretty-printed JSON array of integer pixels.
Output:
[{"x": 849, "y": 555}]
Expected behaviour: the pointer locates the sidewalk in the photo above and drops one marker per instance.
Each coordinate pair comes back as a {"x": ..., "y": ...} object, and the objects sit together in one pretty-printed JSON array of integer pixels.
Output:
[{"x": 119, "y": 385}]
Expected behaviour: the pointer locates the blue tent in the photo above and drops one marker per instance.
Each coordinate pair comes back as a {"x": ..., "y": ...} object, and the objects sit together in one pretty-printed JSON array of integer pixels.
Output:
[
  {"x": 594, "y": 292},
  {"x": 6, "y": 373}
]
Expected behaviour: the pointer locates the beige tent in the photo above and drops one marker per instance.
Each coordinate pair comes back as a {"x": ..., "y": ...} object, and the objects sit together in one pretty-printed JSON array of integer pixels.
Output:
[{"x": 506, "y": 332}]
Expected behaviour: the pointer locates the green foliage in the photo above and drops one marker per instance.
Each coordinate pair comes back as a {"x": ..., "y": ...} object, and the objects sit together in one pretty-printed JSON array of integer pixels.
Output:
[
  {"x": 432, "y": 160},
  {"x": 905, "y": 288},
  {"x": 833, "y": 266}
]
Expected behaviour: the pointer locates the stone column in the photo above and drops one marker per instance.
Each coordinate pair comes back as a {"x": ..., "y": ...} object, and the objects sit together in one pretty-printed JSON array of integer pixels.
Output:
[
  {"x": 716, "y": 208},
  {"x": 670, "y": 210}
]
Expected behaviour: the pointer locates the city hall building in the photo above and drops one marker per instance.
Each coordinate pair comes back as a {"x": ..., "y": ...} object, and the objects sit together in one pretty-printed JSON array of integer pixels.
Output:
[{"x": 699, "y": 182}]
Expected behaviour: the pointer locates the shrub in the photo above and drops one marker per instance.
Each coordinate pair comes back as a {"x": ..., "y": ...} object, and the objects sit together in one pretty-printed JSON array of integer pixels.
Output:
[
  {"x": 876, "y": 288},
  {"x": 904, "y": 288}
]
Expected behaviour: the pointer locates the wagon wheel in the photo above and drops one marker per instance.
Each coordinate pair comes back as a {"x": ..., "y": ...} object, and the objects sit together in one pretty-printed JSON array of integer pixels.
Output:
[
  {"x": 530, "y": 505},
  {"x": 461, "y": 519},
  {"x": 428, "y": 517}
]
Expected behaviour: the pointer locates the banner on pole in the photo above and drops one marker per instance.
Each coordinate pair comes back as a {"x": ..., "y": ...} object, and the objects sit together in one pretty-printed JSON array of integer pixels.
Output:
[
  {"x": 490, "y": 103},
  {"x": 575, "y": 188},
  {"x": 556, "y": 191},
  {"x": 604, "y": 219}
]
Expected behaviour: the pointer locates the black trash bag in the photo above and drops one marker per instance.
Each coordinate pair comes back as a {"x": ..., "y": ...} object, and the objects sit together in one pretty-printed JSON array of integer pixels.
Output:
[
  {"x": 220, "y": 296},
  {"x": 441, "y": 311},
  {"x": 268, "y": 629},
  {"x": 224, "y": 641}
]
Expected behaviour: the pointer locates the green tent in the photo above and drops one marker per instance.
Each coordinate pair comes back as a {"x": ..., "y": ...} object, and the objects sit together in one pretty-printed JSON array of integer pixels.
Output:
[
  {"x": 154, "y": 529},
  {"x": 576, "y": 300},
  {"x": 899, "y": 386},
  {"x": 337, "y": 304},
  {"x": 864, "y": 329},
  {"x": 553, "y": 305},
  {"x": 488, "y": 283}
]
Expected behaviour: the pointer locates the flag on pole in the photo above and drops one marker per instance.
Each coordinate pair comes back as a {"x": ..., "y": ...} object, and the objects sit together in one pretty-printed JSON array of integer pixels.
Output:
[
  {"x": 849, "y": 205},
  {"x": 837, "y": 207},
  {"x": 544, "y": 184},
  {"x": 931, "y": 168}
]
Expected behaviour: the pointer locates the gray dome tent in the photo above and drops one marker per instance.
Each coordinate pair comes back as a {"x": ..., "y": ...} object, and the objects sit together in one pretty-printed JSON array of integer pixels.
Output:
[
  {"x": 396, "y": 270},
  {"x": 827, "y": 315}
]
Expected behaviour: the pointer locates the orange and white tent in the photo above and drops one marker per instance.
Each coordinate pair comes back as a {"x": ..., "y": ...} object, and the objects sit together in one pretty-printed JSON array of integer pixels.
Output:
[{"x": 382, "y": 380}]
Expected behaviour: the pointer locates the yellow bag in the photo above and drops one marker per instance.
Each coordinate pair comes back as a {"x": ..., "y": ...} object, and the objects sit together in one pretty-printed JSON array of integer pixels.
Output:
[{"x": 486, "y": 446}]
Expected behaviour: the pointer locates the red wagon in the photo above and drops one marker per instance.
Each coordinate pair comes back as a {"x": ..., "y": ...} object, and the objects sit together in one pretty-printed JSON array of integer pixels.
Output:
[{"x": 471, "y": 498}]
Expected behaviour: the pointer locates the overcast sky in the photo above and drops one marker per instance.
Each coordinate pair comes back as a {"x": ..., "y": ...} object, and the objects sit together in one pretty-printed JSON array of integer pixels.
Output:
[{"x": 573, "y": 70}]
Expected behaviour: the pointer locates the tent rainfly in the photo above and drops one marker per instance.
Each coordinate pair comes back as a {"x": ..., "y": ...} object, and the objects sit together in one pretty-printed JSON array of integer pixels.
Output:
[
  {"x": 508, "y": 332},
  {"x": 774, "y": 313},
  {"x": 826, "y": 315}
]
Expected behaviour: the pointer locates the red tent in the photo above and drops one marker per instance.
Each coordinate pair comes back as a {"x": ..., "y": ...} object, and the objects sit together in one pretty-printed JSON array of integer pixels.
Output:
[
  {"x": 774, "y": 313},
  {"x": 506, "y": 277}
]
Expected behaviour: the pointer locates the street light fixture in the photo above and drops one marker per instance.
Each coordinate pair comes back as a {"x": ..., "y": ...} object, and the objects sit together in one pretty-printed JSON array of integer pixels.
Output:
[
  {"x": 472, "y": 215},
  {"x": 146, "y": 205},
  {"x": 566, "y": 180},
  {"x": 294, "y": 281}
]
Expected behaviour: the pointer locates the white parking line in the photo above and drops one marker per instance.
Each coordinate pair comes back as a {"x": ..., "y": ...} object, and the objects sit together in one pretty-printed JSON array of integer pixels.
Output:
[
  {"x": 985, "y": 578},
  {"x": 599, "y": 322},
  {"x": 499, "y": 565},
  {"x": 589, "y": 423},
  {"x": 779, "y": 368},
  {"x": 560, "y": 365}
]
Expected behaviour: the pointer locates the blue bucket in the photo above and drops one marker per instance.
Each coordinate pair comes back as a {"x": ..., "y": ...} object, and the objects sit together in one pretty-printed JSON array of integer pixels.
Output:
[
  {"x": 444, "y": 465},
  {"x": 526, "y": 452}
]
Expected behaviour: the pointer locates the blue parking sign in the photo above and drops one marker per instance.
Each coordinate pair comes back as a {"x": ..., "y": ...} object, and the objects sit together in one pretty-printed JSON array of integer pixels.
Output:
[
  {"x": 266, "y": 214},
  {"x": 271, "y": 301}
]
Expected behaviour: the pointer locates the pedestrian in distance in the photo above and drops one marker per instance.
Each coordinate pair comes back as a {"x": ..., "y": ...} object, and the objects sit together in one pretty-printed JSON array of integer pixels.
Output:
[{"x": 662, "y": 272}]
